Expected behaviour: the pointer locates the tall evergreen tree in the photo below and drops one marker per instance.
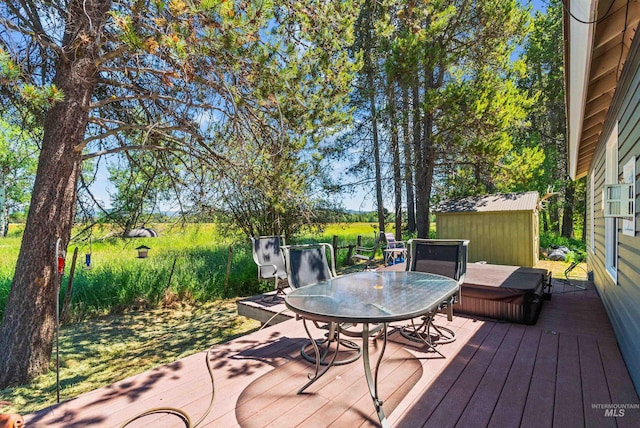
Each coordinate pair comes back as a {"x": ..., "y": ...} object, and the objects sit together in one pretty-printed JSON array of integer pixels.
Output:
[
  {"x": 425, "y": 47},
  {"x": 543, "y": 54}
]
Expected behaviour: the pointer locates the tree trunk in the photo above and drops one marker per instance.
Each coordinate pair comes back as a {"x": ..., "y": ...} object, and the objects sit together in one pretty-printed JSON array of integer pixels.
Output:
[
  {"x": 554, "y": 216},
  {"x": 4, "y": 222},
  {"x": 567, "y": 216},
  {"x": 424, "y": 175},
  {"x": 419, "y": 169},
  {"x": 395, "y": 152},
  {"x": 26, "y": 335},
  {"x": 428, "y": 160},
  {"x": 408, "y": 170},
  {"x": 376, "y": 156},
  {"x": 370, "y": 70},
  {"x": 4, "y": 216}
]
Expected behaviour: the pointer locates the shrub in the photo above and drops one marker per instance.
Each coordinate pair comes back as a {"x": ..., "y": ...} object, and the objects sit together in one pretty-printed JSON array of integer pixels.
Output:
[{"x": 550, "y": 240}]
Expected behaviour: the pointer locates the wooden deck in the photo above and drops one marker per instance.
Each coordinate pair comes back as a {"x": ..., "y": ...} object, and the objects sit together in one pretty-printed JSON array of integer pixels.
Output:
[{"x": 556, "y": 373}]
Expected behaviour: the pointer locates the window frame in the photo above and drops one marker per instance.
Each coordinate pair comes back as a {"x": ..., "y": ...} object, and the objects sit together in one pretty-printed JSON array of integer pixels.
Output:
[{"x": 611, "y": 223}]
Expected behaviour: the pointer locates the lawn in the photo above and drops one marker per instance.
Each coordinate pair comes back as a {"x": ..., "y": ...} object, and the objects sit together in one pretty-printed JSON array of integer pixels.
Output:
[{"x": 103, "y": 350}]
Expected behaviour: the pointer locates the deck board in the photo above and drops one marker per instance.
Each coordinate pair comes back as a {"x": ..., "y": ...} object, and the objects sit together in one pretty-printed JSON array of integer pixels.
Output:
[
  {"x": 620, "y": 386},
  {"x": 592, "y": 375},
  {"x": 425, "y": 404},
  {"x": 462, "y": 390},
  {"x": 513, "y": 397},
  {"x": 538, "y": 410},
  {"x": 568, "y": 409},
  {"x": 480, "y": 407},
  {"x": 495, "y": 374}
]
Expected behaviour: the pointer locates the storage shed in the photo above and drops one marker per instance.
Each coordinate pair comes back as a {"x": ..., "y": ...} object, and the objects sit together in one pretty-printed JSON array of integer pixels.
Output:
[{"x": 502, "y": 229}]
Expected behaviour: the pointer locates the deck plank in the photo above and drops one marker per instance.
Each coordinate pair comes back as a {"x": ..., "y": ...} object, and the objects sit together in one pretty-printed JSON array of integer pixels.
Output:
[
  {"x": 480, "y": 407},
  {"x": 428, "y": 401},
  {"x": 568, "y": 410},
  {"x": 494, "y": 374},
  {"x": 513, "y": 396},
  {"x": 619, "y": 383},
  {"x": 592, "y": 375},
  {"x": 458, "y": 396},
  {"x": 435, "y": 366},
  {"x": 538, "y": 410}
]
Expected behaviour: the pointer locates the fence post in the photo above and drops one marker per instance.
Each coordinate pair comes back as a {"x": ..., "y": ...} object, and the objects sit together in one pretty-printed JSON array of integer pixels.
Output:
[
  {"x": 352, "y": 247},
  {"x": 335, "y": 248},
  {"x": 349, "y": 254},
  {"x": 226, "y": 278}
]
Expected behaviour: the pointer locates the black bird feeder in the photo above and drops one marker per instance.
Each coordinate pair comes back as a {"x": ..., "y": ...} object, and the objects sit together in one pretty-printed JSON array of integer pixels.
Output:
[{"x": 143, "y": 251}]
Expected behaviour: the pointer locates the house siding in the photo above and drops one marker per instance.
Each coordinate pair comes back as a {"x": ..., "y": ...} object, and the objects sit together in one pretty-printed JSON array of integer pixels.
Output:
[{"x": 621, "y": 297}]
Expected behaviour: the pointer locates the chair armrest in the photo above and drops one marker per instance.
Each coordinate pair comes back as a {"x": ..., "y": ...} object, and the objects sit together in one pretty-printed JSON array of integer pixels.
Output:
[
  {"x": 396, "y": 244},
  {"x": 275, "y": 270}
]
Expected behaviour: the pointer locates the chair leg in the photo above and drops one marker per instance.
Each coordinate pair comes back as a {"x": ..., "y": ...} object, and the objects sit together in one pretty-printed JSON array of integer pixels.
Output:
[
  {"x": 445, "y": 335},
  {"x": 279, "y": 292},
  {"x": 421, "y": 333}
]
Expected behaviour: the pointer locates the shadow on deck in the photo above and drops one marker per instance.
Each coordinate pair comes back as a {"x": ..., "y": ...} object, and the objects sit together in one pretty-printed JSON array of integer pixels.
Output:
[{"x": 563, "y": 371}]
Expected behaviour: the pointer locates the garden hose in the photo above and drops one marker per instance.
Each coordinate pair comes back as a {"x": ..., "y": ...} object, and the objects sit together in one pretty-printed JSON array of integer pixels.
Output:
[
  {"x": 181, "y": 413},
  {"x": 178, "y": 412},
  {"x": 266, "y": 324}
]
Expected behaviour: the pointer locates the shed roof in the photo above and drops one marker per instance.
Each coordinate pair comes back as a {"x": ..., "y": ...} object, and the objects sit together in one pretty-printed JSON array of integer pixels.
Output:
[{"x": 527, "y": 201}]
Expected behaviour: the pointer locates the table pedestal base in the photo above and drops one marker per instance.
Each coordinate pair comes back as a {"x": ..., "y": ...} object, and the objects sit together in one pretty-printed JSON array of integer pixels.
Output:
[
  {"x": 372, "y": 378},
  {"x": 324, "y": 346}
]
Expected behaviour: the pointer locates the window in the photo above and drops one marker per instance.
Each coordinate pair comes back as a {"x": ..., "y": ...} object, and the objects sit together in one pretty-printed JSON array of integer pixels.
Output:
[
  {"x": 611, "y": 223},
  {"x": 619, "y": 200},
  {"x": 629, "y": 176}
]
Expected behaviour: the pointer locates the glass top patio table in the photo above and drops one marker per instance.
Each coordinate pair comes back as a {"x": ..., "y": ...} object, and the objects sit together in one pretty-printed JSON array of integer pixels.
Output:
[
  {"x": 369, "y": 298},
  {"x": 372, "y": 297}
]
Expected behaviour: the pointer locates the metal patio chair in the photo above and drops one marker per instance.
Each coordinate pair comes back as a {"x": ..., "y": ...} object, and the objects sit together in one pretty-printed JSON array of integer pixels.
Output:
[
  {"x": 308, "y": 264},
  {"x": 442, "y": 257},
  {"x": 267, "y": 253},
  {"x": 366, "y": 254},
  {"x": 392, "y": 249}
]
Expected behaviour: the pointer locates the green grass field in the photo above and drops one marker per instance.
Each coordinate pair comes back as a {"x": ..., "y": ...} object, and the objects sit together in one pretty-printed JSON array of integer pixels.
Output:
[{"x": 186, "y": 264}]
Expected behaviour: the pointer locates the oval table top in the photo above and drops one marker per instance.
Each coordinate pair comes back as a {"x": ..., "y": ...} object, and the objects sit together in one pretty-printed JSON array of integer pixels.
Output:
[{"x": 372, "y": 297}]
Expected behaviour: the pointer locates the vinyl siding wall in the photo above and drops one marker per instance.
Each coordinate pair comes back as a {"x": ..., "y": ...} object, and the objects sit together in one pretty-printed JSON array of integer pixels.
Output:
[
  {"x": 622, "y": 297},
  {"x": 506, "y": 238}
]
